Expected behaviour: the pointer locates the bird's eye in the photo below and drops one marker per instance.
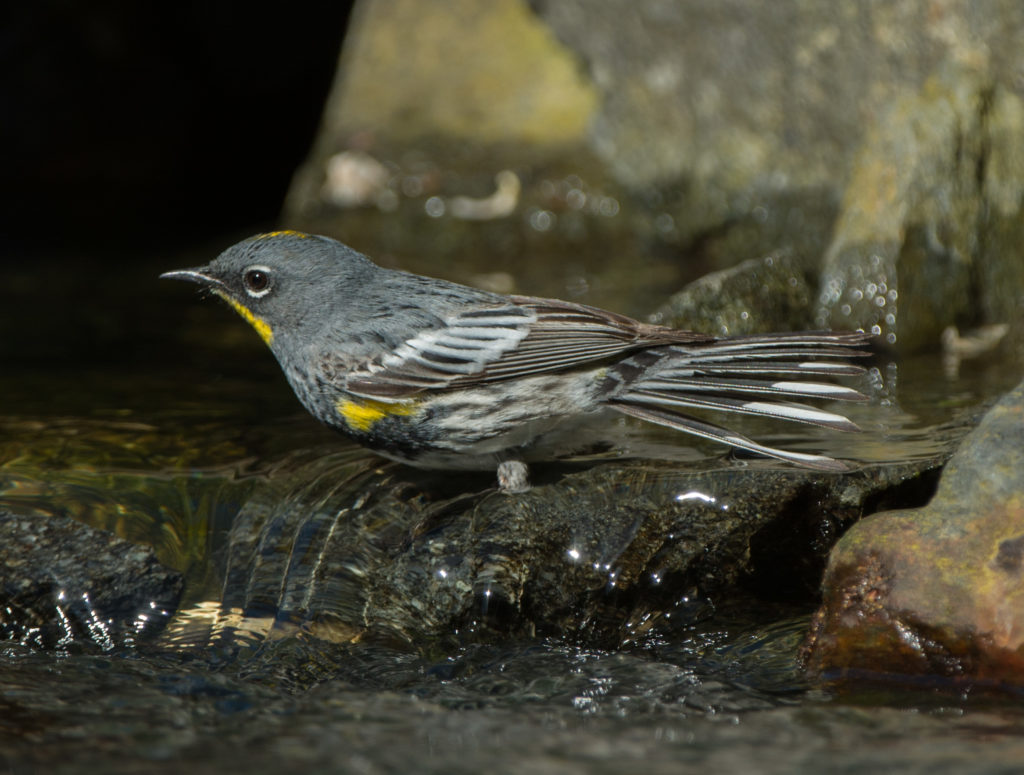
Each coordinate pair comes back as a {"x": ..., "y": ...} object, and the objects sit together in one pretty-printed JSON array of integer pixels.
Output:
[{"x": 257, "y": 281}]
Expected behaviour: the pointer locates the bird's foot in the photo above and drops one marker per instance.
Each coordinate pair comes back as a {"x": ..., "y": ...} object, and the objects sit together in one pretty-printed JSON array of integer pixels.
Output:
[{"x": 513, "y": 476}]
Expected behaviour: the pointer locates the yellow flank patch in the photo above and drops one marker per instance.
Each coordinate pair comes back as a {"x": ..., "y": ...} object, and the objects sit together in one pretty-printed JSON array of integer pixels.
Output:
[
  {"x": 361, "y": 415},
  {"x": 261, "y": 326}
]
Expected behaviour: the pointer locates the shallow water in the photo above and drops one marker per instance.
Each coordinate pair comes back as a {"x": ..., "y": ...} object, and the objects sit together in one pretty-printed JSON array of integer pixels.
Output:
[
  {"x": 165, "y": 429},
  {"x": 723, "y": 698}
]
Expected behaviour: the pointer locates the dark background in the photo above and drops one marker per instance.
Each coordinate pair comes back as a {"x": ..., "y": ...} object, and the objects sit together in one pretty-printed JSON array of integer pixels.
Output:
[
  {"x": 127, "y": 125},
  {"x": 138, "y": 138}
]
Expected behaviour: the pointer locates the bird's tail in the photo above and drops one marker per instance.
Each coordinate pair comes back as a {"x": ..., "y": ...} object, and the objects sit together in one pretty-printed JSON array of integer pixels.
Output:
[{"x": 756, "y": 375}]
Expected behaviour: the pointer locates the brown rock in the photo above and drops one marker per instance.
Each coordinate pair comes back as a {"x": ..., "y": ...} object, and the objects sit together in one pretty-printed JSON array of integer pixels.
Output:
[{"x": 938, "y": 589}]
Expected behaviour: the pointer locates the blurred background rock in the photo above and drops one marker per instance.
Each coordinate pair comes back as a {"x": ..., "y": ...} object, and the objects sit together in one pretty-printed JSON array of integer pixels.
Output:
[
  {"x": 878, "y": 146},
  {"x": 607, "y": 151}
]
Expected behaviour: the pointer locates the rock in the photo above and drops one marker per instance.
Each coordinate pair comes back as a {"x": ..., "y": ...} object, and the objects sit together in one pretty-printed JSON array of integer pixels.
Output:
[
  {"x": 488, "y": 71},
  {"x": 63, "y": 582},
  {"x": 601, "y": 555},
  {"x": 880, "y": 146},
  {"x": 931, "y": 212},
  {"x": 759, "y": 296},
  {"x": 937, "y": 590},
  {"x": 480, "y": 72},
  {"x": 787, "y": 107}
]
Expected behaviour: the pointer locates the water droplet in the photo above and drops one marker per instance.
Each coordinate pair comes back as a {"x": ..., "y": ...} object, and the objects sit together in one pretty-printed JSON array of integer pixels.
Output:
[
  {"x": 434, "y": 207},
  {"x": 542, "y": 220},
  {"x": 609, "y": 207},
  {"x": 412, "y": 185}
]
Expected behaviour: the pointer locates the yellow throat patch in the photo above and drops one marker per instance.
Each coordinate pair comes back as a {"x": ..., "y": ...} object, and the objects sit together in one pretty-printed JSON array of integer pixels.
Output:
[
  {"x": 363, "y": 414},
  {"x": 261, "y": 326}
]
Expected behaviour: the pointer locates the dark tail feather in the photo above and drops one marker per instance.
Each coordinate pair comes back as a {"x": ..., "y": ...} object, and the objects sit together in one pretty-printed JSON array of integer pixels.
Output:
[{"x": 754, "y": 375}]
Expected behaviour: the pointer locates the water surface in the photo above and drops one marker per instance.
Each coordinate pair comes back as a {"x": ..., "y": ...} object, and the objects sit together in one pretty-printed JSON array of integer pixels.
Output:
[{"x": 161, "y": 416}]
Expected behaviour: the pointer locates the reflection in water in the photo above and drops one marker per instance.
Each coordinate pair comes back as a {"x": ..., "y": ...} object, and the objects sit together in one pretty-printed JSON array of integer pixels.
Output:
[
  {"x": 282, "y": 531},
  {"x": 282, "y": 526}
]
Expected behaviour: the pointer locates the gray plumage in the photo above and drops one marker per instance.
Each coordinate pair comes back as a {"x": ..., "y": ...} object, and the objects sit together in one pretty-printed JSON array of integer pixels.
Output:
[{"x": 442, "y": 375}]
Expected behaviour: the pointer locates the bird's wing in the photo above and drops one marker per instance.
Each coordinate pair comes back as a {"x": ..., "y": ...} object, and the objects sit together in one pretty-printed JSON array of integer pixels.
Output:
[{"x": 523, "y": 337}]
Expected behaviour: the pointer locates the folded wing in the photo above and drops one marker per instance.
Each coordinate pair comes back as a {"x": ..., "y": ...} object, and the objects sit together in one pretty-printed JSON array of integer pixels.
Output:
[{"x": 525, "y": 337}]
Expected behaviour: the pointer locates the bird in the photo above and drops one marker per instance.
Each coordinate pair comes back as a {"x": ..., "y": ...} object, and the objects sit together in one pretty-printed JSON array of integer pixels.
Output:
[{"x": 445, "y": 376}]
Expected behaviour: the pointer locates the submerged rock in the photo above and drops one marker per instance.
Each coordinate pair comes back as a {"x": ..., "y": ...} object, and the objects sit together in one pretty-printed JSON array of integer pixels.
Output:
[
  {"x": 940, "y": 589},
  {"x": 63, "y": 583},
  {"x": 605, "y": 555}
]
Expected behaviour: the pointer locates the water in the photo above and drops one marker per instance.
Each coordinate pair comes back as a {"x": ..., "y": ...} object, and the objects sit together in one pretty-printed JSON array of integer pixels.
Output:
[
  {"x": 546, "y": 706},
  {"x": 164, "y": 418}
]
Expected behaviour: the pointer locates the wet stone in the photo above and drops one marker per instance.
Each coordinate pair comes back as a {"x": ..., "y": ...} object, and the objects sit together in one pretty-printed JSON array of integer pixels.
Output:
[
  {"x": 928, "y": 234},
  {"x": 759, "y": 296},
  {"x": 937, "y": 590},
  {"x": 605, "y": 555},
  {"x": 63, "y": 583}
]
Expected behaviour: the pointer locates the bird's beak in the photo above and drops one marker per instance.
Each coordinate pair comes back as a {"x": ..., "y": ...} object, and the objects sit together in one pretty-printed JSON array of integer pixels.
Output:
[{"x": 199, "y": 275}]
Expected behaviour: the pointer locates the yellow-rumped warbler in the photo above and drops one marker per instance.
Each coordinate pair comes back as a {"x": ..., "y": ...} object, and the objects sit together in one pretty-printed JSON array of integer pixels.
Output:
[{"x": 441, "y": 375}]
